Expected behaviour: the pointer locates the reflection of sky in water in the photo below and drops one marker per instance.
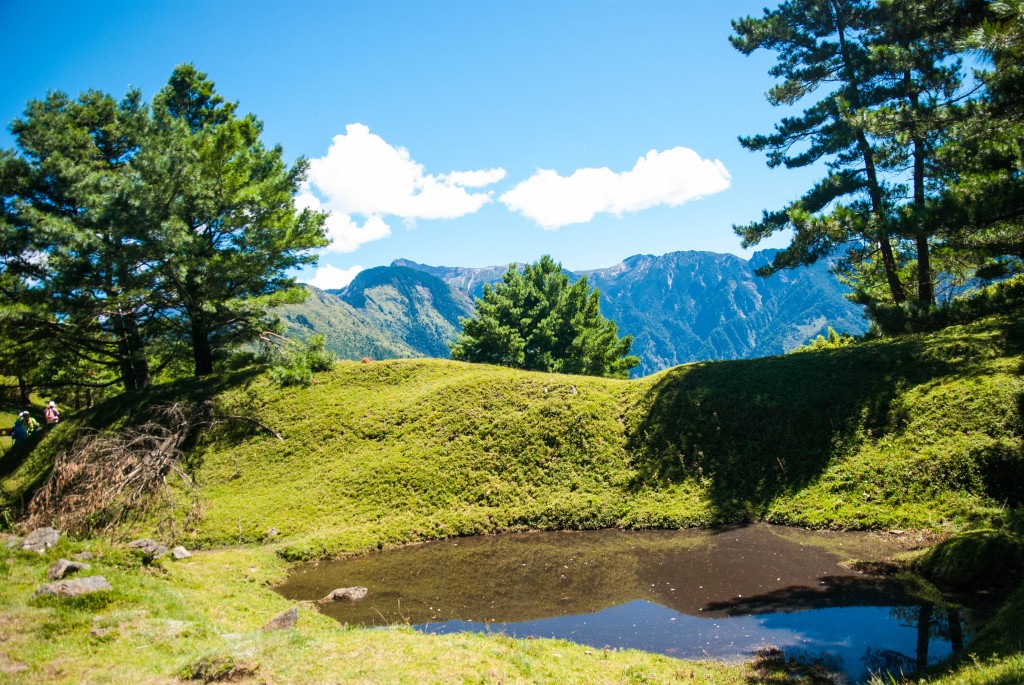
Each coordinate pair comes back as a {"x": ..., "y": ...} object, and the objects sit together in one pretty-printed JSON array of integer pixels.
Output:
[{"x": 843, "y": 637}]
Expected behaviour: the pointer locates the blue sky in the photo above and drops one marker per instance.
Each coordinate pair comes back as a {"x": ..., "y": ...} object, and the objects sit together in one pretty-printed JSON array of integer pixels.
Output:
[{"x": 456, "y": 133}]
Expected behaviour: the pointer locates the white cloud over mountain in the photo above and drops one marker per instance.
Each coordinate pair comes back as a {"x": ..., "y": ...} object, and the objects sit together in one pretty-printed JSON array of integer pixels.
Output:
[
  {"x": 332, "y": 278},
  {"x": 668, "y": 178},
  {"x": 363, "y": 179},
  {"x": 362, "y": 175},
  {"x": 345, "y": 234}
]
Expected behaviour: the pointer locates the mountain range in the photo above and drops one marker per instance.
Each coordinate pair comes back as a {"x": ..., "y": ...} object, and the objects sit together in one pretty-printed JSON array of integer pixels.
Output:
[{"x": 679, "y": 307}]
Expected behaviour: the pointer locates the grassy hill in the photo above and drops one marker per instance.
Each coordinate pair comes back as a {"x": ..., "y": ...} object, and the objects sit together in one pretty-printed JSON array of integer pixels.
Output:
[{"x": 919, "y": 432}]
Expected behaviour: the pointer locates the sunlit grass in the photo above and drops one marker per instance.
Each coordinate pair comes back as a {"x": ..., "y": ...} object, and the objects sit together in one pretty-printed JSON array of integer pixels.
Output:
[{"x": 922, "y": 432}]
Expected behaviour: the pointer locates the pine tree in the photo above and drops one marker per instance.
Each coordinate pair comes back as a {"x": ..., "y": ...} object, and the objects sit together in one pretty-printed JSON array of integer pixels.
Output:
[
  {"x": 221, "y": 208},
  {"x": 535, "y": 319}
]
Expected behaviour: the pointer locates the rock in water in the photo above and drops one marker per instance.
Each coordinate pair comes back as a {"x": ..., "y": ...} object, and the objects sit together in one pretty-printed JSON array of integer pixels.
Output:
[
  {"x": 63, "y": 567},
  {"x": 346, "y": 594},
  {"x": 75, "y": 587},
  {"x": 283, "y": 621},
  {"x": 40, "y": 540}
]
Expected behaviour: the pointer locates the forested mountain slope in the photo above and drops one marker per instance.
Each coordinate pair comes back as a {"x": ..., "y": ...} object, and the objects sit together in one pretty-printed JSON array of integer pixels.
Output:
[{"x": 697, "y": 306}]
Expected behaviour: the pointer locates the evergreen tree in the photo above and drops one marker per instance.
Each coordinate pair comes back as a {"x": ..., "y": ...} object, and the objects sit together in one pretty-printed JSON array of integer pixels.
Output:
[
  {"x": 221, "y": 209},
  {"x": 74, "y": 258},
  {"x": 130, "y": 234},
  {"x": 821, "y": 44},
  {"x": 536, "y": 320},
  {"x": 982, "y": 203},
  {"x": 915, "y": 45},
  {"x": 893, "y": 85}
]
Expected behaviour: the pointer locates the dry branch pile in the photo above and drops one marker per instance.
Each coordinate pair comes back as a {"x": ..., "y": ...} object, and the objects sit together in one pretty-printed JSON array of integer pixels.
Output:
[{"x": 106, "y": 479}]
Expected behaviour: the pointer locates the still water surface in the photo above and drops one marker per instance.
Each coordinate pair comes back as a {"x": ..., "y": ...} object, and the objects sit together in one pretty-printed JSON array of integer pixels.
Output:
[{"x": 689, "y": 594}]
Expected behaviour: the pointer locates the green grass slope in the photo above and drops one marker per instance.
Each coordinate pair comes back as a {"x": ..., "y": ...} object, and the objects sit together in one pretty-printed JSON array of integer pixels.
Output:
[{"x": 918, "y": 432}]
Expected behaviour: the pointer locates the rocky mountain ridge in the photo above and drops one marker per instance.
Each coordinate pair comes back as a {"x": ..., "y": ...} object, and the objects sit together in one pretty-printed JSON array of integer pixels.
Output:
[{"x": 679, "y": 307}]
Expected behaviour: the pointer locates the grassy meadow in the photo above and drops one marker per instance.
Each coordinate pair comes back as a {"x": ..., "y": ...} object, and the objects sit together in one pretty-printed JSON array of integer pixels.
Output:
[{"x": 922, "y": 432}]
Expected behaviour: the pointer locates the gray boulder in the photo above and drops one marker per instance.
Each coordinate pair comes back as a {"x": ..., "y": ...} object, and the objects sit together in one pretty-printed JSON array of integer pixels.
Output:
[
  {"x": 151, "y": 548},
  {"x": 63, "y": 567},
  {"x": 75, "y": 587},
  {"x": 346, "y": 594},
  {"x": 180, "y": 553},
  {"x": 40, "y": 540},
  {"x": 283, "y": 621}
]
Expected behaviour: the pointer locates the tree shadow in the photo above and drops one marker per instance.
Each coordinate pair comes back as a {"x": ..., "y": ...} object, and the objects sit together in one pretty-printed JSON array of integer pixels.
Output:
[
  {"x": 831, "y": 592},
  {"x": 16, "y": 455},
  {"x": 752, "y": 430}
]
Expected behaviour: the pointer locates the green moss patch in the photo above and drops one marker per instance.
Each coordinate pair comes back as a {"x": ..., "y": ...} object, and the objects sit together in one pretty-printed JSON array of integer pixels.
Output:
[{"x": 976, "y": 559}]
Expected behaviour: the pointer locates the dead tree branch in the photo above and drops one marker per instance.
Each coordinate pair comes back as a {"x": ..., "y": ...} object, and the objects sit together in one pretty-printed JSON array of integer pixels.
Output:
[{"x": 105, "y": 480}]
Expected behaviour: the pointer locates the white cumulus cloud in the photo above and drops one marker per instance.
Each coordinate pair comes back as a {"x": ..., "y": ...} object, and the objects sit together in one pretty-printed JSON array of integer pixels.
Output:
[
  {"x": 362, "y": 174},
  {"x": 332, "y": 278},
  {"x": 666, "y": 178},
  {"x": 345, "y": 234},
  {"x": 474, "y": 179}
]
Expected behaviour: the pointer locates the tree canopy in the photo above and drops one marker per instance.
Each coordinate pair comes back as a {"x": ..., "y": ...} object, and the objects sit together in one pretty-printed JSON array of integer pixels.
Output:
[
  {"x": 136, "y": 237},
  {"x": 922, "y": 175},
  {"x": 535, "y": 319}
]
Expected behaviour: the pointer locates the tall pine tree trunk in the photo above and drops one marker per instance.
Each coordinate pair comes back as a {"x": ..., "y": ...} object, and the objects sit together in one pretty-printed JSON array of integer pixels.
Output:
[
  {"x": 24, "y": 391},
  {"x": 124, "y": 353},
  {"x": 137, "y": 352},
  {"x": 925, "y": 287},
  {"x": 202, "y": 352},
  {"x": 868, "y": 155}
]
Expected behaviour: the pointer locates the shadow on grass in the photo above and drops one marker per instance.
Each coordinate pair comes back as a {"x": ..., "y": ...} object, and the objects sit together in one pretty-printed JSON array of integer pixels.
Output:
[
  {"x": 16, "y": 455},
  {"x": 753, "y": 430}
]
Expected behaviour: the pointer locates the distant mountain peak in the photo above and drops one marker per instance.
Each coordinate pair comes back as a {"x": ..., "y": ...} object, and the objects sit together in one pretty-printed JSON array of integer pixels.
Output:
[{"x": 679, "y": 307}]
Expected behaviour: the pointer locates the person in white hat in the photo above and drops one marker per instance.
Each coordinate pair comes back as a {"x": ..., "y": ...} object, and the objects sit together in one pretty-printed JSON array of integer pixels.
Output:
[{"x": 52, "y": 414}]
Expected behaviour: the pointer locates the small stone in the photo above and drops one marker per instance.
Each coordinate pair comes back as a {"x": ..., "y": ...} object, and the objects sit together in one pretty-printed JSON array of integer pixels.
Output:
[
  {"x": 145, "y": 545},
  {"x": 151, "y": 548},
  {"x": 75, "y": 587},
  {"x": 346, "y": 594},
  {"x": 180, "y": 553},
  {"x": 283, "y": 621},
  {"x": 40, "y": 540},
  {"x": 82, "y": 556},
  {"x": 13, "y": 542},
  {"x": 63, "y": 567}
]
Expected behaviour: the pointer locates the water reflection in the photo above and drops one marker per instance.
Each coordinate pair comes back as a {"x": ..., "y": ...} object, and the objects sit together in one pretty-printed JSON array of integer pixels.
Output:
[{"x": 689, "y": 594}]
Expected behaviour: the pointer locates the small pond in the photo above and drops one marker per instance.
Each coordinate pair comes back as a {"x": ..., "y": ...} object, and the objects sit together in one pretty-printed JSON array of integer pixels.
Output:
[{"x": 689, "y": 594}]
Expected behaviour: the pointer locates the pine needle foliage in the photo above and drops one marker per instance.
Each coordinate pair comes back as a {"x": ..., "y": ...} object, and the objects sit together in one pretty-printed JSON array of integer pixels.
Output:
[{"x": 536, "y": 320}]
